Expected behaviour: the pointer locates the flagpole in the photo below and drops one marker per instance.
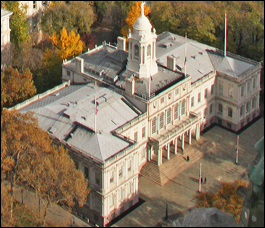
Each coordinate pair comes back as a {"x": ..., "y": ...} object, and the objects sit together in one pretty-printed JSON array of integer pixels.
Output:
[
  {"x": 95, "y": 107},
  {"x": 237, "y": 145},
  {"x": 185, "y": 60},
  {"x": 225, "y": 35}
]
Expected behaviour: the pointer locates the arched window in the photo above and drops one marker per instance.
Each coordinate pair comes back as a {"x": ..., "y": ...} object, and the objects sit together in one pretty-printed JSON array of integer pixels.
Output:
[
  {"x": 169, "y": 116},
  {"x": 136, "y": 51},
  {"x": 149, "y": 50}
]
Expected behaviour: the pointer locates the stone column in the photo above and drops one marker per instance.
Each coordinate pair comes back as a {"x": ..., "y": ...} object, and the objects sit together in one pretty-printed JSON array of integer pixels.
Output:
[
  {"x": 176, "y": 145},
  {"x": 168, "y": 151},
  {"x": 183, "y": 141},
  {"x": 190, "y": 136},
  {"x": 197, "y": 131},
  {"x": 158, "y": 156}
]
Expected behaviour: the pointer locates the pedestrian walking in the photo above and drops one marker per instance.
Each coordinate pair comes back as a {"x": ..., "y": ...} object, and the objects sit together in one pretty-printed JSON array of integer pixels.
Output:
[
  {"x": 188, "y": 158},
  {"x": 204, "y": 180}
]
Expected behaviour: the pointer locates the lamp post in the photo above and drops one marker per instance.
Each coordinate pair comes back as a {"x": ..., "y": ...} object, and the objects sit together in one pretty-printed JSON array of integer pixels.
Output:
[
  {"x": 237, "y": 146},
  {"x": 200, "y": 177}
]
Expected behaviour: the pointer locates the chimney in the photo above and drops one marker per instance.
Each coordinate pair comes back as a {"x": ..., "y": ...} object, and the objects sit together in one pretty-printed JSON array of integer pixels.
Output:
[
  {"x": 121, "y": 43},
  {"x": 79, "y": 65},
  {"x": 171, "y": 63},
  {"x": 129, "y": 86}
]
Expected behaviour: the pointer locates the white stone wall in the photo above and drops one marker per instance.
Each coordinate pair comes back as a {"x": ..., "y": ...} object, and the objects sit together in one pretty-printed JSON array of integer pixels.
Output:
[{"x": 5, "y": 30}]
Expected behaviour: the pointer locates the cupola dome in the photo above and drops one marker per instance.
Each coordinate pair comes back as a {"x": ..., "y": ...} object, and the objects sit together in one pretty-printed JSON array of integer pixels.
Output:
[{"x": 142, "y": 22}]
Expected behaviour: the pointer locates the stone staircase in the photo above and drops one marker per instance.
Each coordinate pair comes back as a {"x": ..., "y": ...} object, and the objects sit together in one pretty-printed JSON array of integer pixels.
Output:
[{"x": 177, "y": 163}]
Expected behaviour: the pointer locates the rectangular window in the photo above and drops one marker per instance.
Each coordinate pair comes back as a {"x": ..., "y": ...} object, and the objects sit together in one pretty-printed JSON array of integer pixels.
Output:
[
  {"x": 242, "y": 90},
  {"x": 247, "y": 107},
  {"x": 205, "y": 112},
  {"x": 97, "y": 178},
  {"x": 162, "y": 120},
  {"x": 177, "y": 91},
  {"x": 112, "y": 176},
  {"x": 176, "y": 111},
  {"x": 142, "y": 154},
  {"x": 241, "y": 110},
  {"x": 111, "y": 200},
  {"x": 230, "y": 112},
  {"x": 205, "y": 93},
  {"x": 248, "y": 86},
  {"x": 162, "y": 100},
  {"x": 76, "y": 164},
  {"x": 154, "y": 126},
  {"x": 230, "y": 92},
  {"x": 86, "y": 172},
  {"x": 199, "y": 97},
  {"x": 212, "y": 89},
  {"x": 183, "y": 107},
  {"x": 68, "y": 73},
  {"x": 220, "y": 108},
  {"x": 120, "y": 171},
  {"x": 34, "y": 5},
  {"x": 254, "y": 103},
  {"x": 220, "y": 89},
  {"x": 254, "y": 82},
  {"x": 192, "y": 102},
  {"x": 135, "y": 136},
  {"x": 211, "y": 109},
  {"x": 120, "y": 194},
  {"x": 129, "y": 188},
  {"x": 129, "y": 165},
  {"x": 143, "y": 132},
  {"x": 168, "y": 116},
  {"x": 229, "y": 126}
]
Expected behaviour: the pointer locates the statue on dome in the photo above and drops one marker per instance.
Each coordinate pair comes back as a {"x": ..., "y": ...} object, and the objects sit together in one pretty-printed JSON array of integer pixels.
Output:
[{"x": 142, "y": 8}]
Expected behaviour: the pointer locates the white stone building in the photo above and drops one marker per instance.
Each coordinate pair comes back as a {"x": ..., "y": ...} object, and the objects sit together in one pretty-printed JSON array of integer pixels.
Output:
[
  {"x": 5, "y": 27},
  {"x": 146, "y": 102}
]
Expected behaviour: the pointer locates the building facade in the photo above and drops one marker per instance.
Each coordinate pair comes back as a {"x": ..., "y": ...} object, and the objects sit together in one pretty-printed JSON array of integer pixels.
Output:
[
  {"x": 163, "y": 91},
  {"x": 5, "y": 27}
]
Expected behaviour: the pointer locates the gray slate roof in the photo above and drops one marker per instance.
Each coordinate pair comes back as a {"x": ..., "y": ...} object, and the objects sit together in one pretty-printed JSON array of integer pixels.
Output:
[
  {"x": 206, "y": 217},
  {"x": 201, "y": 58},
  {"x": 73, "y": 111}
]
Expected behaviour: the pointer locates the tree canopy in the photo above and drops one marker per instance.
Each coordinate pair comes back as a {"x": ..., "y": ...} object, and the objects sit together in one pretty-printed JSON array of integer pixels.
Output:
[
  {"x": 67, "y": 46},
  {"x": 16, "y": 87},
  {"x": 76, "y": 16},
  {"x": 31, "y": 160},
  {"x": 227, "y": 199}
]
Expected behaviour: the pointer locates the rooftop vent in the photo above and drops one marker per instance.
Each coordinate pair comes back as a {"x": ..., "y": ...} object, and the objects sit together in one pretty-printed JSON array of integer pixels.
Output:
[
  {"x": 193, "y": 56},
  {"x": 83, "y": 117},
  {"x": 68, "y": 103},
  {"x": 71, "y": 134},
  {"x": 56, "y": 94},
  {"x": 52, "y": 130},
  {"x": 200, "y": 52}
]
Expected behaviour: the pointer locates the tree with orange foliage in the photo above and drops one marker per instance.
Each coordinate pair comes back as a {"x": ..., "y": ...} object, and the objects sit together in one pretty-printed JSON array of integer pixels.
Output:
[
  {"x": 67, "y": 46},
  {"x": 16, "y": 87},
  {"x": 226, "y": 198},
  {"x": 132, "y": 15},
  {"x": 30, "y": 159}
]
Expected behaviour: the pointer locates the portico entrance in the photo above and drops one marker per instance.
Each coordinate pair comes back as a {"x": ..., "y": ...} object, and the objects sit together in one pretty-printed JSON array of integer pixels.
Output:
[{"x": 160, "y": 145}]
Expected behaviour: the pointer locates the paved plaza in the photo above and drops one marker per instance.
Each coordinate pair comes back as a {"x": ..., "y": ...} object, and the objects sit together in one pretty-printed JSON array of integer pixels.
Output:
[{"x": 218, "y": 165}]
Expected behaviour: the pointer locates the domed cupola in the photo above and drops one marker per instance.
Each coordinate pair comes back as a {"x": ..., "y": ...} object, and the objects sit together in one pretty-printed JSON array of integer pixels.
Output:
[
  {"x": 142, "y": 23},
  {"x": 142, "y": 47}
]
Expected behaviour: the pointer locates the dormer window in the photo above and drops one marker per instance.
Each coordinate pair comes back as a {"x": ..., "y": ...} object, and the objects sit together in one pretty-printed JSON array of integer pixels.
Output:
[{"x": 136, "y": 51}]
